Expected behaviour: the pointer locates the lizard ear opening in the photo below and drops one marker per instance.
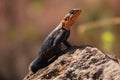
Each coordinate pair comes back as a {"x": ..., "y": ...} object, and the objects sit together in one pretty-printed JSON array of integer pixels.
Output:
[{"x": 66, "y": 19}]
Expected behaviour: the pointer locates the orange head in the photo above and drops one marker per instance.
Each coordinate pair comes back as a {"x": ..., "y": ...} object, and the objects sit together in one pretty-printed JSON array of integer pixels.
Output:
[{"x": 70, "y": 18}]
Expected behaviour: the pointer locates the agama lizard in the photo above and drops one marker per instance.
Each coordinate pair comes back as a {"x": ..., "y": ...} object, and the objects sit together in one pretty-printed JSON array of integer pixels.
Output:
[{"x": 51, "y": 46}]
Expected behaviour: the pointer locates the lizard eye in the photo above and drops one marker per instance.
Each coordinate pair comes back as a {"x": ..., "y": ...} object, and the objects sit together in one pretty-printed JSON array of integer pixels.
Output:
[{"x": 72, "y": 11}]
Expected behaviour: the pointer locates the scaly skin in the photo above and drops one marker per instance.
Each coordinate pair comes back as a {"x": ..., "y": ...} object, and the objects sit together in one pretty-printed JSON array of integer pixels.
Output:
[{"x": 51, "y": 46}]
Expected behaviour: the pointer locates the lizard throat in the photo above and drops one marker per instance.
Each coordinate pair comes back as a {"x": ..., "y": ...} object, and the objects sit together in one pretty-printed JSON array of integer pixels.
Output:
[{"x": 67, "y": 27}]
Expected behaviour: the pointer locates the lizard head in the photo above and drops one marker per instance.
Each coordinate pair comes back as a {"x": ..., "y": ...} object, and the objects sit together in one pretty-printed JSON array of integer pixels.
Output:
[{"x": 70, "y": 18}]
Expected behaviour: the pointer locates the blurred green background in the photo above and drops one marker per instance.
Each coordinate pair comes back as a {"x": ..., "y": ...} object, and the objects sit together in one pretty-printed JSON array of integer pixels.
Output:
[{"x": 24, "y": 24}]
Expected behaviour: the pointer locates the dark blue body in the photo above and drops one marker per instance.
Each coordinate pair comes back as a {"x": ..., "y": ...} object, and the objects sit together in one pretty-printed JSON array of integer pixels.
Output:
[{"x": 50, "y": 47}]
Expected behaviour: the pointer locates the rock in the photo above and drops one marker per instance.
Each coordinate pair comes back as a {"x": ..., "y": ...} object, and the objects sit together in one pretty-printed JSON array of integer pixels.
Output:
[{"x": 80, "y": 63}]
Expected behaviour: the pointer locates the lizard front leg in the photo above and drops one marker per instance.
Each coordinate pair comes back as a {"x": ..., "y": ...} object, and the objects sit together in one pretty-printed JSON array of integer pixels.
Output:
[{"x": 67, "y": 44}]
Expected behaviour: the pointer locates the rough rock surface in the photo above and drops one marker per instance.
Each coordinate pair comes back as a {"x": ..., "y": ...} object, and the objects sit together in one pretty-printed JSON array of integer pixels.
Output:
[{"x": 80, "y": 63}]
